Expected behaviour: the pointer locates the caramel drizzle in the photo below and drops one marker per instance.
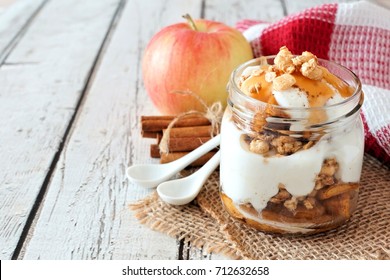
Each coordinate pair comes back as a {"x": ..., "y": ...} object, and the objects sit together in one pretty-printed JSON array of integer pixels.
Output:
[{"x": 318, "y": 92}]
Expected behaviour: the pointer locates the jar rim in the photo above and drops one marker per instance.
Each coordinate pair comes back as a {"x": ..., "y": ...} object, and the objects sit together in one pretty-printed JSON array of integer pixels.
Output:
[{"x": 256, "y": 102}]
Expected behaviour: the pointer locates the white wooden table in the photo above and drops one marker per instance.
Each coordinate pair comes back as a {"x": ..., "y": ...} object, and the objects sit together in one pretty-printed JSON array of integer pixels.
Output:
[{"x": 71, "y": 94}]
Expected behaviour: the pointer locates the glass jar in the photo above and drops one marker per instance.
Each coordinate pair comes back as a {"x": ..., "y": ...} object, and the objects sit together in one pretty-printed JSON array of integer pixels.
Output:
[{"x": 312, "y": 185}]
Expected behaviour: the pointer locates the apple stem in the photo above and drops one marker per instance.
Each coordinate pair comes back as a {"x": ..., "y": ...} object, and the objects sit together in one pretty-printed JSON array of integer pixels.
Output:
[{"x": 190, "y": 21}]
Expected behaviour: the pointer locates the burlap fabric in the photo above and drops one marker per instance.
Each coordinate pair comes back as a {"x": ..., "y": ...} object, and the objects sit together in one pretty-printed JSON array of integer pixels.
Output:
[{"x": 206, "y": 225}]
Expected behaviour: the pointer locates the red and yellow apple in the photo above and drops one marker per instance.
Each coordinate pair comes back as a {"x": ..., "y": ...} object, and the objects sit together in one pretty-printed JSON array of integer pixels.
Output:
[{"x": 196, "y": 57}]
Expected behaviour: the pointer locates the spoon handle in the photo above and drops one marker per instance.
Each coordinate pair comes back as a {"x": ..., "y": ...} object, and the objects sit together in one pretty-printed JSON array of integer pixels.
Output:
[
  {"x": 184, "y": 190},
  {"x": 205, "y": 171},
  {"x": 179, "y": 164}
]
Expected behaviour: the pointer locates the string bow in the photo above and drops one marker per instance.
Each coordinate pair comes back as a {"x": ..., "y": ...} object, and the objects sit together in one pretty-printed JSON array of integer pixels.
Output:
[{"x": 213, "y": 113}]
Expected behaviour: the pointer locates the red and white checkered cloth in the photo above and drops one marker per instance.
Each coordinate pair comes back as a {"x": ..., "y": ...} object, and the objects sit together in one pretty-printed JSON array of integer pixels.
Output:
[{"x": 356, "y": 35}]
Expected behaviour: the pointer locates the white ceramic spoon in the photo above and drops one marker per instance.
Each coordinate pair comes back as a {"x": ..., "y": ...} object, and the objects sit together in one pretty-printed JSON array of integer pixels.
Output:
[
  {"x": 184, "y": 190},
  {"x": 151, "y": 175}
]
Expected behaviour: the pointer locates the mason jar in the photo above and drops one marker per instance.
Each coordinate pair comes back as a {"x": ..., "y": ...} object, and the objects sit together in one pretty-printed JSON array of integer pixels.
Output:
[{"x": 312, "y": 185}]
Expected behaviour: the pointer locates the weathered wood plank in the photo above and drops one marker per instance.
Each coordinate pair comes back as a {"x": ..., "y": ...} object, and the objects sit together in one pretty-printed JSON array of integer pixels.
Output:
[
  {"x": 41, "y": 83},
  {"x": 89, "y": 193},
  {"x": 14, "y": 19},
  {"x": 229, "y": 12}
]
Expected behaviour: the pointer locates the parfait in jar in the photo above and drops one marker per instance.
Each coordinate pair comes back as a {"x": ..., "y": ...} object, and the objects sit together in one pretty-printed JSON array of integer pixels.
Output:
[{"x": 292, "y": 144}]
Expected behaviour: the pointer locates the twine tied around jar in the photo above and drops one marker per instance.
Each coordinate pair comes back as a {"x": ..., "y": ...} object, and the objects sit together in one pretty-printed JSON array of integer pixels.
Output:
[{"x": 213, "y": 113}]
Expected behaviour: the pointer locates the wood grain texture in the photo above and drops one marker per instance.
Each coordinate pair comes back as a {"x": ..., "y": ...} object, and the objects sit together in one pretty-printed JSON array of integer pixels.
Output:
[
  {"x": 89, "y": 193},
  {"x": 231, "y": 11},
  {"x": 14, "y": 20},
  {"x": 41, "y": 83}
]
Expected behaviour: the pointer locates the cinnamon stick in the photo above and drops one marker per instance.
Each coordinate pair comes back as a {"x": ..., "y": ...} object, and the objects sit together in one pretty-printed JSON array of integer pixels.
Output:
[
  {"x": 150, "y": 134},
  {"x": 186, "y": 144},
  {"x": 148, "y": 118},
  {"x": 192, "y": 131},
  {"x": 159, "y": 124},
  {"x": 154, "y": 151},
  {"x": 188, "y": 133},
  {"x": 182, "y": 144},
  {"x": 165, "y": 158}
]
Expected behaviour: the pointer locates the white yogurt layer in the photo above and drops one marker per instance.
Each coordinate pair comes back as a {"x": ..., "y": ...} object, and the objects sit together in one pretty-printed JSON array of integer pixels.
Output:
[
  {"x": 249, "y": 177},
  {"x": 336, "y": 98},
  {"x": 291, "y": 97},
  {"x": 295, "y": 97}
]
